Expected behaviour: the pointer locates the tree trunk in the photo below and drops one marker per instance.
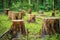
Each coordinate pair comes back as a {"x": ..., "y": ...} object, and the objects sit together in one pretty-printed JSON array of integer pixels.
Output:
[
  {"x": 18, "y": 26},
  {"x": 50, "y": 25}
]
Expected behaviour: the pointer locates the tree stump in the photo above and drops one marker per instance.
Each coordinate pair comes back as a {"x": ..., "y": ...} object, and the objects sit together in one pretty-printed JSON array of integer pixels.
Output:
[
  {"x": 53, "y": 13},
  {"x": 29, "y": 11},
  {"x": 10, "y": 14},
  {"x": 31, "y": 18},
  {"x": 15, "y": 15},
  {"x": 6, "y": 11},
  {"x": 18, "y": 27},
  {"x": 50, "y": 25},
  {"x": 23, "y": 12},
  {"x": 40, "y": 12}
]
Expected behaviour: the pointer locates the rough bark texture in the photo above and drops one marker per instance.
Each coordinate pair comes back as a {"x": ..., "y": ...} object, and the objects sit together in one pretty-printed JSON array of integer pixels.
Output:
[
  {"x": 18, "y": 26},
  {"x": 6, "y": 11},
  {"x": 10, "y": 14},
  {"x": 20, "y": 15},
  {"x": 29, "y": 11},
  {"x": 53, "y": 13},
  {"x": 50, "y": 26},
  {"x": 16, "y": 15},
  {"x": 13, "y": 15},
  {"x": 23, "y": 12},
  {"x": 31, "y": 18}
]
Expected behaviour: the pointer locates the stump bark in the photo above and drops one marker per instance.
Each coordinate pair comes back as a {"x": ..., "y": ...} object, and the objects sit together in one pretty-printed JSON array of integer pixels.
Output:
[
  {"x": 29, "y": 11},
  {"x": 18, "y": 26},
  {"x": 6, "y": 11},
  {"x": 15, "y": 15},
  {"x": 53, "y": 13},
  {"x": 50, "y": 25},
  {"x": 10, "y": 14},
  {"x": 23, "y": 12},
  {"x": 31, "y": 18},
  {"x": 20, "y": 15}
]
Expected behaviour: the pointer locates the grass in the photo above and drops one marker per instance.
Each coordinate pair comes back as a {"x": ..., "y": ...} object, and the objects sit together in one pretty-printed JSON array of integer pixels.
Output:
[
  {"x": 34, "y": 28},
  {"x": 4, "y": 23}
]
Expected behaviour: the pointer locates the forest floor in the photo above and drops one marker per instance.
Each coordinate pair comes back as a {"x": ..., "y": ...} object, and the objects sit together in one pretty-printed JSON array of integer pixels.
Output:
[{"x": 34, "y": 28}]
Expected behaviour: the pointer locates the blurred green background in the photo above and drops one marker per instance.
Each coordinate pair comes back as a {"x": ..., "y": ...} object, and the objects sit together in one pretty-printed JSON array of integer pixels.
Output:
[{"x": 35, "y": 5}]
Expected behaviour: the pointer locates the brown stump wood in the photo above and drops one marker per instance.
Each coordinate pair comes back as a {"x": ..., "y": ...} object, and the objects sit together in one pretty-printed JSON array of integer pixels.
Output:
[
  {"x": 31, "y": 18},
  {"x": 20, "y": 15},
  {"x": 15, "y": 15},
  {"x": 6, "y": 11},
  {"x": 10, "y": 14},
  {"x": 23, "y": 12},
  {"x": 50, "y": 25},
  {"x": 29, "y": 11},
  {"x": 18, "y": 26},
  {"x": 53, "y": 13}
]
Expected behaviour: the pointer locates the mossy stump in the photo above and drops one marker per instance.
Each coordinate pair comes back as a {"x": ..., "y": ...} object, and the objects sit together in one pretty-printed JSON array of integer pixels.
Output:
[
  {"x": 18, "y": 26},
  {"x": 50, "y": 25}
]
